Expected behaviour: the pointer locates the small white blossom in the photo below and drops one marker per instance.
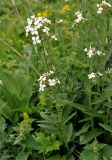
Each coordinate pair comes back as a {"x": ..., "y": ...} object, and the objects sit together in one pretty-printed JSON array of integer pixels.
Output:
[
  {"x": 92, "y": 52},
  {"x": 51, "y": 72},
  {"x": 47, "y": 79},
  {"x": 42, "y": 87},
  {"x": 46, "y": 30},
  {"x": 102, "y": 6},
  {"x": 100, "y": 53},
  {"x": 52, "y": 82},
  {"x": 100, "y": 74},
  {"x": 109, "y": 71},
  {"x": 54, "y": 37},
  {"x": 92, "y": 75},
  {"x": 59, "y": 21},
  {"x": 79, "y": 17}
]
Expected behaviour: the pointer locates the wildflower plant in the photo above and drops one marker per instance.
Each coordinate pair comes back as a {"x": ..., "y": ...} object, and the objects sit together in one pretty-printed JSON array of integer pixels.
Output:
[{"x": 57, "y": 96}]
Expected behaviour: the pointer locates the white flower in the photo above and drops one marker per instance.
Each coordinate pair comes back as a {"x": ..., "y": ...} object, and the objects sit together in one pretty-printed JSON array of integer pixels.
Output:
[
  {"x": 103, "y": 5},
  {"x": 46, "y": 30},
  {"x": 47, "y": 80},
  {"x": 36, "y": 40},
  {"x": 109, "y": 71},
  {"x": 92, "y": 52},
  {"x": 35, "y": 25},
  {"x": 51, "y": 72},
  {"x": 79, "y": 17},
  {"x": 92, "y": 75},
  {"x": 52, "y": 82},
  {"x": 100, "y": 74},
  {"x": 42, "y": 78},
  {"x": 100, "y": 9},
  {"x": 54, "y": 37},
  {"x": 106, "y": 4},
  {"x": 59, "y": 21},
  {"x": 42, "y": 87},
  {"x": 100, "y": 53}
]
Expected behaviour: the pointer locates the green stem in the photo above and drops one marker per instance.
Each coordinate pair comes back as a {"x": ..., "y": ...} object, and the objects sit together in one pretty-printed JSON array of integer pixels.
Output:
[
  {"x": 45, "y": 59},
  {"x": 108, "y": 24}
]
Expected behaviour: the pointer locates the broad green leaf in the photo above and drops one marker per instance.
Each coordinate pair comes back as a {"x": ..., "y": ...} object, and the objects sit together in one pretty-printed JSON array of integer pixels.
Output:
[
  {"x": 30, "y": 142},
  {"x": 89, "y": 155},
  {"x": 106, "y": 151}
]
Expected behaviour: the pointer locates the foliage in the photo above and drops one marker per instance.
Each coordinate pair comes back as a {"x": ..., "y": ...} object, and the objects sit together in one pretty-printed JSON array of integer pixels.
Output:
[{"x": 56, "y": 80}]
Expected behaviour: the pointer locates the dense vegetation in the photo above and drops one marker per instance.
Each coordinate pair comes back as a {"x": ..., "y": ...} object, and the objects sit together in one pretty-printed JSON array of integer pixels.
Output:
[{"x": 55, "y": 80}]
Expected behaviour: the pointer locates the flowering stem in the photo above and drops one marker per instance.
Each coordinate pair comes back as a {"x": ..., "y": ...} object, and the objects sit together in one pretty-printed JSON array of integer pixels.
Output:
[
  {"x": 108, "y": 24},
  {"x": 45, "y": 59}
]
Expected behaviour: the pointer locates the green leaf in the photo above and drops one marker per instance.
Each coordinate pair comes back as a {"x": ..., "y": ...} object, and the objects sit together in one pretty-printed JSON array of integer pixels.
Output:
[
  {"x": 54, "y": 146},
  {"x": 89, "y": 155},
  {"x": 49, "y": 127},
  {"x": 30, "y": 142},
  {"x": 106, "y": 151},
  {"x": 57, "y": 157},
  {"x": 90, "y": 135},
  {"x": 18, "y": 139},
  {"x": 68, "y": 131},
  {"x": 82, "y": 130},
  {"x": 68, "y": 118},
  {"x": 106, "y": 127},
  {"x": 22, "y": 156}
]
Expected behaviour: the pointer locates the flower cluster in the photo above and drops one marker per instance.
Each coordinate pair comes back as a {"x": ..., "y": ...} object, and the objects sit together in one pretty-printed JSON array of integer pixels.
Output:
[
  {"x": 37, "y": 25},
  {"x": 79, "y": 17},
  {"x": 103, "y": 5},
  {"x": 109, "y": 71},
  {"x": 25, "y": 116},
  {"x": 92, "y": 52},
  {"x": 94, "y": 76},
  {"x": 46, "y": 79},
  {"x": 54, "y": 37}
]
